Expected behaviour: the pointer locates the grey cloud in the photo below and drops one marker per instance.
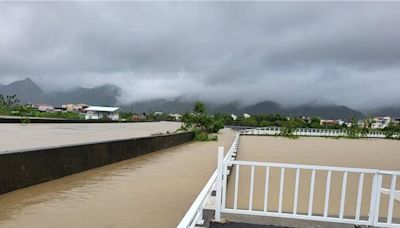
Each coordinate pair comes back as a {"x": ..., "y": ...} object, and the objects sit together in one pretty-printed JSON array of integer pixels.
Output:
[{"x": 343, "y": 53}]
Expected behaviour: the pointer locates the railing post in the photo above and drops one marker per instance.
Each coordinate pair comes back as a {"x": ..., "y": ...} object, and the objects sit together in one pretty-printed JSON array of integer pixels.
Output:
[
  {"x": 375, "y": 199},
  {"x": 218, "y": 199}
]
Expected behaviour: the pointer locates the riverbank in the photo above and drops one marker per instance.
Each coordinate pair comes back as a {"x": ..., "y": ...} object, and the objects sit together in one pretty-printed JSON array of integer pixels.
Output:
[{"x": 153, "y": 190}]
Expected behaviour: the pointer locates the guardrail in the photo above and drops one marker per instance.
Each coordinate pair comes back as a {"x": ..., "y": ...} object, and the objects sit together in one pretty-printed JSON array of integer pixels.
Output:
[
  {"x": 227, "y": 163},
  {"x": 195, "y": 213},
  {"x": 376, "y": 190},
  {"x": 310, "y": 132}
]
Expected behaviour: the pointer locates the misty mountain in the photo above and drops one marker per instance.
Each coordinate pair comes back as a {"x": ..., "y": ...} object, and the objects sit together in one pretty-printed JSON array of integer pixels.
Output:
[
  {"x": 393, "y": 111},
  {"x": 324, "y": 111},
  {"x": 28, "y": 92},
  {"x": 327, "y": 111},
  {"x": 266, "y": 107},
  {"x": 162, "y": 105},
  {"x": 107, "y": 95}
]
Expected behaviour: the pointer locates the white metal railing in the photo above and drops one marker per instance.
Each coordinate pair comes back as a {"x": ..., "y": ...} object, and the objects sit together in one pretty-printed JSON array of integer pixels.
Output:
[
  {"x": 376, "y": 189},
  {"x": 195, "y": 213},
  {"x": 309, "y": 132}
]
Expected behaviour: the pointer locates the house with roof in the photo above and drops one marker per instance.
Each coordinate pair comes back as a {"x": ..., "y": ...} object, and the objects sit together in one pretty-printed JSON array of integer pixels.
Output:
[
  {"x": 380, "y": 122},
  {"x": 101, "y": 113}
]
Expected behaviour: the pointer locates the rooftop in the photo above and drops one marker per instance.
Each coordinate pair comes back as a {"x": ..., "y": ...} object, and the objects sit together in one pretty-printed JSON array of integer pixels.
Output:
[{"x": 101, "y": 109}]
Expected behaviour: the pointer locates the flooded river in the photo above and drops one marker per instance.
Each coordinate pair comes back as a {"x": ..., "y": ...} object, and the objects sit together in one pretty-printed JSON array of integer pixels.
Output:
[
  {"x": 29, "y": 136},
  {"x": 153, "y": 190}
]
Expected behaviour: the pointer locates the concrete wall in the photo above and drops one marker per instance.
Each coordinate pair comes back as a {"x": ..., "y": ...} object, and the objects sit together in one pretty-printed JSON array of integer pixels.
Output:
[{"x": 25, "y": 168}]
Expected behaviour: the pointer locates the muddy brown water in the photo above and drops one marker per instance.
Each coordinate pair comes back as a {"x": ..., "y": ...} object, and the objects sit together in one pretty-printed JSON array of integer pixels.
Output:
[
  {"x": 30, "y": 136},
  {"x": 360, "y": 153},
  {"x": 153, "y": 190}
]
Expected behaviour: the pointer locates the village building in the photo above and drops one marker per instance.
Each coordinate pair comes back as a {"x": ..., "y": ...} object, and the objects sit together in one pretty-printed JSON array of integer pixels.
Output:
[
  {"x": 328, "y": 122},
  {"x": 101, "y": 112},
  {"x": 44, "y": 107},
  {"x": 380, "y": 122},
  {"x": 176, "y": 116},
  {"x": 139, "y": 117},
  {"x": 74, "y": 107},
  {"x": 245, "y": 115}
]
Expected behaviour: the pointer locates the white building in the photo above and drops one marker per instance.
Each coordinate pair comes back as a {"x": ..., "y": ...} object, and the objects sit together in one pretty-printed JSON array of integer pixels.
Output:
[
  {"x": 245, "y": 115},
  {"x": 100, "y": 112},
  {"x": 74, "y": 107},
  {"x": 176, "y": 116},
  {"x": 44, "y": 107},
  {"x": 380, "y": 122}
]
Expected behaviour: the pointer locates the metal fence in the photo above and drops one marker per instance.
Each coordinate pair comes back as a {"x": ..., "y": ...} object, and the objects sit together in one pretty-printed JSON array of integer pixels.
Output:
[
  {"x": 369, "y": 185},
  {"x": 375, "y": 217},
  {"x": 309, "y": 132}
]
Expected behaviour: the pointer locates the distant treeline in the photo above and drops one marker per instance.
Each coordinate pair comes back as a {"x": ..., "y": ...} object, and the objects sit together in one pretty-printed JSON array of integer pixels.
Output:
[{"x": 276, "y": 120}]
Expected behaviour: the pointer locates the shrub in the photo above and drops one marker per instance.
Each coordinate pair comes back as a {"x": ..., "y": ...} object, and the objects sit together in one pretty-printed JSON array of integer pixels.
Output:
[{"x": 202, "y": 123}]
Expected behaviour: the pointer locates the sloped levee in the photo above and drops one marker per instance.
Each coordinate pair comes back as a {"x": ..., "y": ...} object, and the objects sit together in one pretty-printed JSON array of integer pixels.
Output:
[{"x": 21, "y": 169}]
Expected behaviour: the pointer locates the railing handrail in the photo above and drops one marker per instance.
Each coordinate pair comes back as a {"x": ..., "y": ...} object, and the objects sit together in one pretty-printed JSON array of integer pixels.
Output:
[
  {"x": 376, "y": 190},
  {"x": 313, "y": 132},
  {"x": 199, "y": 202},
  {"x": 193, "y": 210},
  {"x": 310, "y": 167}
]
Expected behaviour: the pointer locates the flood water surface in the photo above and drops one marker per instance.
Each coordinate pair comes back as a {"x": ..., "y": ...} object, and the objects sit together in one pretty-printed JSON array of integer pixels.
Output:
[{"x": 153, "y": 190}]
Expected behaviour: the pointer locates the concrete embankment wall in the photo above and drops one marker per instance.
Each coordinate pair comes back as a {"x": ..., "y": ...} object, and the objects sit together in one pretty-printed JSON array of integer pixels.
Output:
[{"x": 25, "y": 168}]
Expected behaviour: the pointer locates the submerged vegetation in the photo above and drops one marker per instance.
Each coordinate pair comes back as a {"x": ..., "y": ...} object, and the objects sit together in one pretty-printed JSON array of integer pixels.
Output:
[
  {"x": 204, "y": 125},
  {"x": 392, "y": 131}
]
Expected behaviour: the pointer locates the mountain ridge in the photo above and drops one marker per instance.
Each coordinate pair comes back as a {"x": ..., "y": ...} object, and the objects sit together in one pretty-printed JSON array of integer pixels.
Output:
[{"x": 108, "y": 94}]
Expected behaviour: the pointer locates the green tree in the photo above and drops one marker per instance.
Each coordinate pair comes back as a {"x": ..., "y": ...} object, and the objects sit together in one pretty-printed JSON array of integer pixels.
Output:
[
  {"x": 315, "y": 122},
  {"x": 289, "y": 128},
  {"x": 265, "y": 123},
  {"x": 250, "y": 121},
  {"x": 202, "y": 123},
  {"x": 199, "y": 108}
]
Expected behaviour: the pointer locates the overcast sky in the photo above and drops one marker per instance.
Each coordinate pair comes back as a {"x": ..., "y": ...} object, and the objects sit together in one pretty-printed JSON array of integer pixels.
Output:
[{"x": 292, "y": 53}]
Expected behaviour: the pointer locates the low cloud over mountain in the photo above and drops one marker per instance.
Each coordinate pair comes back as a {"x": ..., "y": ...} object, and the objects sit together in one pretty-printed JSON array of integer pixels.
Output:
[
  {"x": 289, "y": 52},
  {"x": 28, "y": 91}
]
